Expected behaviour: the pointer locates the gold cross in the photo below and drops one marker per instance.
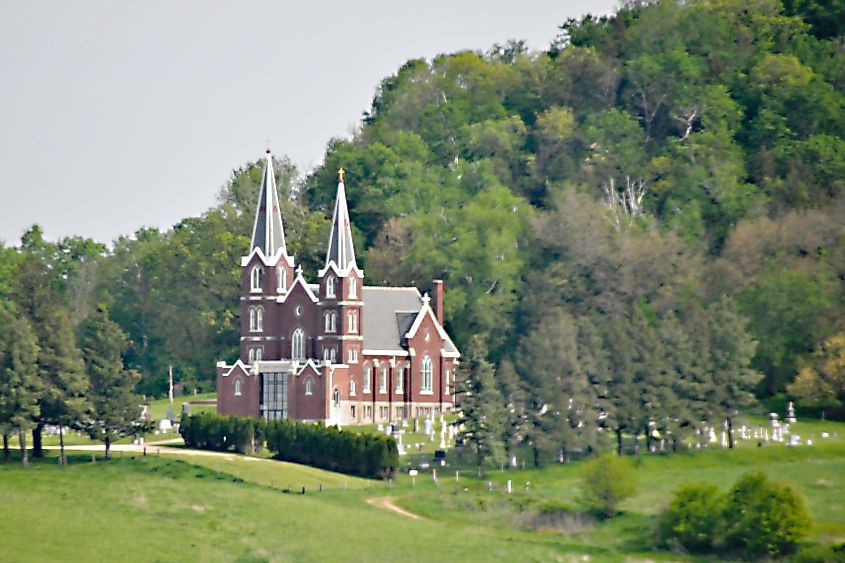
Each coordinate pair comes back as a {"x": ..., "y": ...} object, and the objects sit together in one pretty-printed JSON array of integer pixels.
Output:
[{"x": 340, "y": 174}]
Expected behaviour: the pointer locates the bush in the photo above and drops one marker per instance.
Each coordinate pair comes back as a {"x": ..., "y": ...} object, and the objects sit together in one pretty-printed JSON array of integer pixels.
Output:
[
  {"x": 764, "y": 518},
  {"x": 694, "y": 517},
  {"x": 607, "y": 481},
  {"x": 757, "y": 518}
]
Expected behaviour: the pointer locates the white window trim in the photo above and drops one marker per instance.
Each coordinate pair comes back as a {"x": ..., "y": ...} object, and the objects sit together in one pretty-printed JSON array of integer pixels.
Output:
[
  {"x": 351, "y": 387},
  {"x": 238, "y": 388},
  {"x": 309, "y": 386},
  {"x": 427, "y": 377},
  {"x": 353, "y": 288},
  {"x": 297, "y": 339},
  {"x": 382, "y": 381},
  {"x": 255, "y": 279},
  {"x": 281, "y": 279},
  {"x": 400, "y": 380},
  {"x": 330, "y": 286}
]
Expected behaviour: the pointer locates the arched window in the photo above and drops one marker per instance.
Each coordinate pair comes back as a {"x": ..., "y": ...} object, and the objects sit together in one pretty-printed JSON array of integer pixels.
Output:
[
  {"x": 309, "y": 386},
  {"x": 256, "y": 319},
  {"x": 400, "y": 379},
  {"x": 238, "y": 388},
  {"x": 259, "y": 354},
  {"x": 255, "y": 278},
  {"x": 332, "y": 355},
  {"x": 425, "y": 383},
  {"x": 446, "y": 383},
  {"x": 326, "y": 354},
  {"x": 298, "y": 345},
  {"x": 351, "y": 387},
  {"x": 353, "y": 288},
  {"x": 281, "y": 279},
  {"x": 330, "y": 283},
  {"x": 365, "y": 385},
  {"x": 331, "y": 321},
  {"x": 382, "y": 381},
  {"x": 251, "y": 355},
  {"x": 353, "y": 321},
  {"x": 337, "y": 397}
]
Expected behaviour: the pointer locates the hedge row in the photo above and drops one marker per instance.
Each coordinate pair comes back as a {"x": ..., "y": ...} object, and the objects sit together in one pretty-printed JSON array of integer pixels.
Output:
[
  {"x": 331, "y": 448},
  {"x": 370, "y": 455}
]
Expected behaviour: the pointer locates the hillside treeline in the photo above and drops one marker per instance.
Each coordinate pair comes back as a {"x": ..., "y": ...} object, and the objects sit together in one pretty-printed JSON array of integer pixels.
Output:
[{"x": 660, "y": 192}]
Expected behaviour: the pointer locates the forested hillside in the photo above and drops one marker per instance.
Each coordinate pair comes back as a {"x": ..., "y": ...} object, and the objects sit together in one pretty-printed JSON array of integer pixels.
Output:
[{"x": 649, "y": 216}]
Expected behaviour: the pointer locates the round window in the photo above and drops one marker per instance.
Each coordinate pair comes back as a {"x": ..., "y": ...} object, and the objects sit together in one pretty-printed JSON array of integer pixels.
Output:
[{"x": 299, "y": 310}]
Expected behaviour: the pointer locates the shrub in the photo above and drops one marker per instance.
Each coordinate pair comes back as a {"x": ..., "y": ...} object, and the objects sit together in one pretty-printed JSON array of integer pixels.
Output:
[
  {"x": 299, "y": 442},
  {"x": 764, "y": 518},
  {"x": 694, "y": 517},
  {"x": 607, "y": 481}
]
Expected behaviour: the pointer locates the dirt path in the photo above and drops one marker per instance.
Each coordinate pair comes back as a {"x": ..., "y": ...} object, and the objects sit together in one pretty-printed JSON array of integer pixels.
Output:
[{"x": 387, "y": 504}]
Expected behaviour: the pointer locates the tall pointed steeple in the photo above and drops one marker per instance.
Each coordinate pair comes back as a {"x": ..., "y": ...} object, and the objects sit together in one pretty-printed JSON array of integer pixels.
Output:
[
  {"x": 268, "y": 234},
  {"x": 341, "y": 250}
]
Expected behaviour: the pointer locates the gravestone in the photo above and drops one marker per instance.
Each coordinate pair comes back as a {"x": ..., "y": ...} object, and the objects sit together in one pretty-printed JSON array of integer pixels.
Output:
[{"x": 790, "y": 413}]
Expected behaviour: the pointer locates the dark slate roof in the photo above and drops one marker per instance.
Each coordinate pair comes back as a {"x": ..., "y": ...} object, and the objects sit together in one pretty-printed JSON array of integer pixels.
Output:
[
  {"x": 268, "y": 234},
  {"x": 341, "y": 250},
  {"x": 388, "y": 314}
]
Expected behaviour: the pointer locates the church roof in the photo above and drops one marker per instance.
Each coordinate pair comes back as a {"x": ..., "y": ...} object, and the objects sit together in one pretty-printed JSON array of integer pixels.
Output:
[
  {"x": 388, "y": 313},
  {"x": 341, "y": 250},
  {"x": 268, "y": 234}
]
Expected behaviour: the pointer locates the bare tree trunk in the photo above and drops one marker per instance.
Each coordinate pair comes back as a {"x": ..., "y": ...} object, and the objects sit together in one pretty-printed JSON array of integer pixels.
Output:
[
  {"x": 108, "y": 447},
  {"x": 6, "y": 453},
  {"x": 37, "y": 450},
  {"x": 619, "y": 441},
  {"x": 637, "y": 444},
  {"x": 730, "y": 432},
  {"x": 62, "y": 458},
  {"x": 24, "y": 453},
  {"x": 536, "y": 452}
]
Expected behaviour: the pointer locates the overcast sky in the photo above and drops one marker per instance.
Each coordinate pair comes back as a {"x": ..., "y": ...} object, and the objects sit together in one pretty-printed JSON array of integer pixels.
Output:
[{"x": 117, "y": 115}]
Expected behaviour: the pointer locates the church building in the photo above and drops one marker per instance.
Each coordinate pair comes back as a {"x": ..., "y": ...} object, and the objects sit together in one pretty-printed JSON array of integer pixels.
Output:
[{"x": 335, "y": 351}]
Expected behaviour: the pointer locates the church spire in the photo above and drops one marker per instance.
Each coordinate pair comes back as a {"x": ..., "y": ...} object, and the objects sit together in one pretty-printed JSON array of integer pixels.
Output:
[
  {"x": 268, "y": 234},
  {"x": 341, "y": 250}
]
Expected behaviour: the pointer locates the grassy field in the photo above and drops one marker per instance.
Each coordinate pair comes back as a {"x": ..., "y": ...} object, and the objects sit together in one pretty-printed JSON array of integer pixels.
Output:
[
  {"x": 163, "y": 509},
  {"x": 232, "y": 508}
]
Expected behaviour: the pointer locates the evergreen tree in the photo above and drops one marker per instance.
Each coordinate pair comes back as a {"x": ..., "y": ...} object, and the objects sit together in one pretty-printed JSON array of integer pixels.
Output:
[
  {"x": 732, "y": 378},
  {"x": 115, "y": 410},
  {"x": 19, "y": 381},
  {"x": 481, "y": 406},
  {"x": 514, "y": 396},
  {"x": 561, "y": 402}
]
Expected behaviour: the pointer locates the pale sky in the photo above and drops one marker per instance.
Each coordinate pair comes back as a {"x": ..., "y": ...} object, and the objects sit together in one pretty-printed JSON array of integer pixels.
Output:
[{"x": 117, "y": 115}]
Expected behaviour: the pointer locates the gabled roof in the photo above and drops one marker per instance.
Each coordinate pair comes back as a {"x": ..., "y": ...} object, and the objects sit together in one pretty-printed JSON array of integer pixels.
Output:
[
  {"x": 268, "y": 233},
  {"x": 449, "y": 347},
  {"x": 239, "y": 365},
  {"x": 388, "y": 312},
  {"x": 299, "y": 280}
]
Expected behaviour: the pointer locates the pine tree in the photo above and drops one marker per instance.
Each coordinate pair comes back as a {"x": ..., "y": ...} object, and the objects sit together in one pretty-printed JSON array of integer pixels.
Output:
[
  {"x": 482, "y": 407},
  {"x": 733, "y": 380},
  {"x": 114, "y": 409},
  {"x": 63, "y": 400},
  {"x": 514, "y": 396},
  {"x": 561, "y": 401},
  {"x": 19, "y": 382}
]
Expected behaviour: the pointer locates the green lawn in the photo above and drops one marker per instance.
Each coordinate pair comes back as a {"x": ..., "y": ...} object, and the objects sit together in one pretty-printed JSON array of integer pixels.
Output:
[
  {"x": 162, "y": 509},
  {"x": 233, "y": 508}
]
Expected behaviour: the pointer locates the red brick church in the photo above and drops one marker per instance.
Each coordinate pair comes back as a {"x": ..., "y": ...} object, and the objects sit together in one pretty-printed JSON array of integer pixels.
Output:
[{"x": 335, "y": 351}]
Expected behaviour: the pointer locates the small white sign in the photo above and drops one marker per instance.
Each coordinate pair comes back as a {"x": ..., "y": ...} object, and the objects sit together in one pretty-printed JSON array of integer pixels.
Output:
[{"x": 412, "y": 472}]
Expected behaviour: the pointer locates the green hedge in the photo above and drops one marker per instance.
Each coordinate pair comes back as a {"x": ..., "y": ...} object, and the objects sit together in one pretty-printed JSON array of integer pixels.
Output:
[{"x": 370, "y": 455}]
